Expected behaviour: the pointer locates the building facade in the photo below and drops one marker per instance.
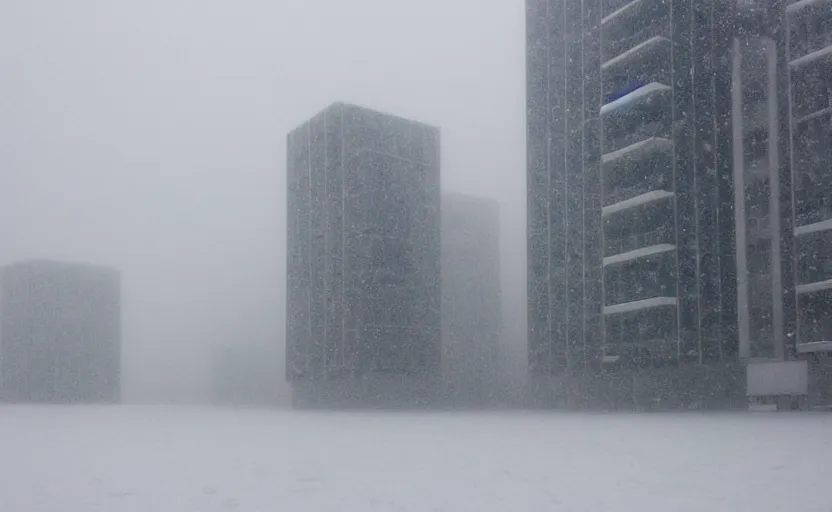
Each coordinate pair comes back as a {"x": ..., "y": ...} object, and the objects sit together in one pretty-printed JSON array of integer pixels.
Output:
[
  {"x": 60, "y": 333},
  {"x": 363, "y": 285},
  {"x": 630, "y": 193},
  {"x": 765, "y": 242},
  {"x": 805, "y": 34},
  {"x": 676, "y": 199},
  {"x": 471, "y": 299}
]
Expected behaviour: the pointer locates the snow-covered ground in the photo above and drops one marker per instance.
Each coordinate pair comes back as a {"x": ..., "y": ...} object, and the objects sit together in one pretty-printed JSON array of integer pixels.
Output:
[{"x": 148, "y": 459}]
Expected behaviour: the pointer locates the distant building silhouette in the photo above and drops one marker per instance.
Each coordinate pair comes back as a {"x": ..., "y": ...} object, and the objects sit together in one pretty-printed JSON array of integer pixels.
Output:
[
  {"x": 471, "y": 308},
  {"x": 245, "y": 375},
  {"x": 363, "y": 280},
  {"x": 60, "y": 333}
]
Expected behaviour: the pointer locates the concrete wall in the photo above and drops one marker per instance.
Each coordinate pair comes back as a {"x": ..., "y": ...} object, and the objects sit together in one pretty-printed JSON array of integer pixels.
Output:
[
  {"x": 694, "y": 386},
  {"x": 61, "y": 333},
  {"x": 820, "y": 380},
  {"x": 363, "y": 214},
  {"x": 369, "y": 392}
]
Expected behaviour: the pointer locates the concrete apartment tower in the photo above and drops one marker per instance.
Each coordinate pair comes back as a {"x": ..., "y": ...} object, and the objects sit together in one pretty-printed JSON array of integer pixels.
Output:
[
  {"x": 471, "y": 307},
  {"x": 60, "y": 333},
  {"x": 363, "y": 285},
  {"x": 678, "y": 198}
]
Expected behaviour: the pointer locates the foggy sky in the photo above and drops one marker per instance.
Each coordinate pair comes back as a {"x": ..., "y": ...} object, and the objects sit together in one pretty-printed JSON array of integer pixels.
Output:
[{"x": 151, "y": 136}]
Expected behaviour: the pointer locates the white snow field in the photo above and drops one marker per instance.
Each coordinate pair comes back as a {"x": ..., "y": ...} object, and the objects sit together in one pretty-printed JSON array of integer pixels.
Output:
[{"x": 148, "y": 459}]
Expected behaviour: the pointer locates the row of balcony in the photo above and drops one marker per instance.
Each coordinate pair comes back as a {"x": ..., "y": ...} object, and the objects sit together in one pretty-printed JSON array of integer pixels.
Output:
[
  {"x": 637, "y": 162},
  {"x": 810, "y": 67}
]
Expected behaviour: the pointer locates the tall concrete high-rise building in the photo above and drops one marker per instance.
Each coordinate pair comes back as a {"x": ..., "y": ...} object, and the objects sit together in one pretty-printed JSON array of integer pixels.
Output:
[
  {"x": 678, "y": 195},
  {"x": 471, "y": 307},
  {"x": 363, "y": 285},
  {"x": 630, "y": 222},
  {"x": 60, "y": 333},
  {"x": 803, "y": 42}
]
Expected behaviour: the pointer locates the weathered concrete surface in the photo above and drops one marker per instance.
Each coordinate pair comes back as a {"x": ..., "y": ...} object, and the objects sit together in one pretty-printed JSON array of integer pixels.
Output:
[{"x": 691, "y": 386}]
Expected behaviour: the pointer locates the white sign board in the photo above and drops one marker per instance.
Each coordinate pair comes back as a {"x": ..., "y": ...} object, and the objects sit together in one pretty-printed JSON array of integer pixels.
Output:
[{"x": 777, "y": 378}]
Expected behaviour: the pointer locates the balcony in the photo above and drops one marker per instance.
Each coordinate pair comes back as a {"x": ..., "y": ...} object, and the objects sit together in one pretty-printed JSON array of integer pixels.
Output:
[
  {"x": 647, "y": 62},
  {"x": 820, "y": 286},
  {"x": 638, "y": 233},
  {"x": 808, "y": 30},
  {"x": 815, "y": 227},
  {"x": 637, "y": 151},
  {"x": 641, "y": 114},
  {"x": 802, "y": 6},
  {"x": 811, "y": 58},
  {"x": 632, "y": 24},
  {"x": 637, "y": 201},
  {"x": 645, "y": 96},
  {"x": 640, "y": 305},
  {"x": 633, "y": 255}
]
